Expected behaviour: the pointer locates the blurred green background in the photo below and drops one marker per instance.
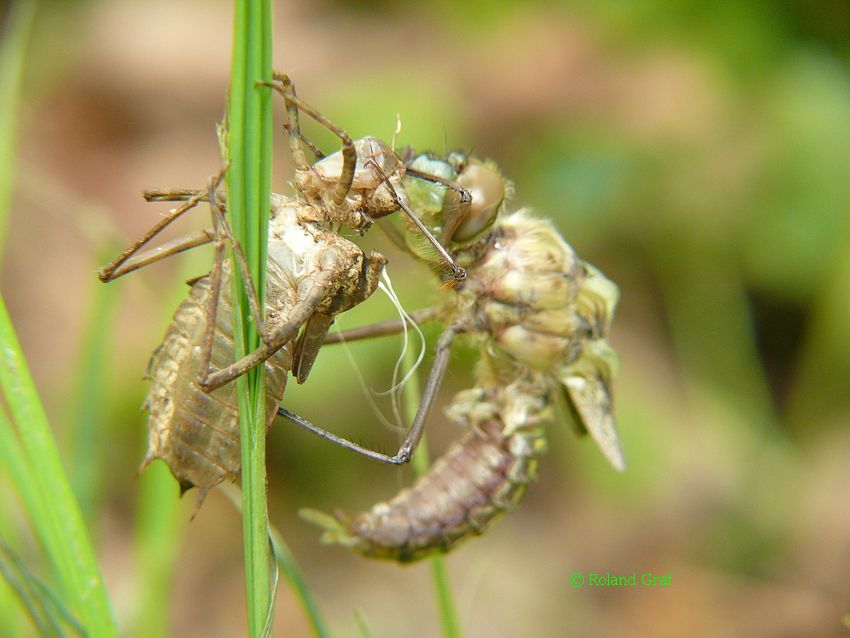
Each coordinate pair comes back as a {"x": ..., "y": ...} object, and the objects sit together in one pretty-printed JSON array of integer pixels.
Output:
[{"x": 698, "y": 153}]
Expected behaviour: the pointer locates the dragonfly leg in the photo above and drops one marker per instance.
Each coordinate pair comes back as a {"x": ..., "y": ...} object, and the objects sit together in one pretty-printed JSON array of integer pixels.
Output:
[
  {"x": 214, "y": 294},
  {"x": 333, "y": 438},
  {"x": 307, "y": 142},
  {"x": 108, "y": 272},
  {"x": 221, "y": 225},
  {"x": 174, "y": 194},
  {"x": 458, "y": 272},
  {"x": 382, "y": 328},
  {"x": 283, "y": 84},
  {"x": 178, "y": 245},
  {"x": 299, "y": 315},
  {"x": 429, "y": 394},
  {"x": 457, "y": 211},
  {"x": 414, "y": 435}
]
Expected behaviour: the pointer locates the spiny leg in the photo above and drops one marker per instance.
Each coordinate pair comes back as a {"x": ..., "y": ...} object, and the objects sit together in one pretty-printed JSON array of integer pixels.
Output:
[
  {"x": 283, "y": 85},
  {"x": 300, "y": 313},
  {"x": 458, "y": 210},
  {"x": 382, "y": 328},
  {"x": 220, "y": 219},
  {"x": 224, "y": 234},
  {"x": 458, "y": 272},
  {"x": 174, "y": 194},
  {"x": 307, "y": 142},
  {"x": 414, "y": 435},
  {"x": 215, "y": 284},
  {"x": 333, "y": 438},
  {"x": 178, "y": 245},
  {"x": 107, "y": 273},
  {"x": 465, "y": 195},
  {"x": 191, "y": 240}
]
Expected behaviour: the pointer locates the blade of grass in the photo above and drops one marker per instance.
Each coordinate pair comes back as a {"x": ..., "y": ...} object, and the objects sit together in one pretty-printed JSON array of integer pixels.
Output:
[
  {"x": 291, "y": 571},
  {"x": 13, "y": 464},
  {"x": 449, "y": 621},
  {"x": 43, "y": 621},
  {"x": 249, "y": 186},
  {"x": 159, "y": 533},
  {"x": 295, "y": 578},
  {"x": 87, "y": 440},
  {"x": 45, "y": 610},
  {"x": 13, "y": 44},
  {"x": 58, "y": 521},
  {"x": 362, "y": 625}
]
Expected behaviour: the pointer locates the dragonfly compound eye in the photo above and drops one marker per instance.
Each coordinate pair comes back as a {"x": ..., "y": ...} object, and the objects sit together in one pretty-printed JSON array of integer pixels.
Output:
[{"x": 487, "y": 188}]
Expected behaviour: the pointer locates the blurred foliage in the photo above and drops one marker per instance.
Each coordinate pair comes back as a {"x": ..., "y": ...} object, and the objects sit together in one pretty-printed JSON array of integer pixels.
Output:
[{"x": 698, "y": 153}]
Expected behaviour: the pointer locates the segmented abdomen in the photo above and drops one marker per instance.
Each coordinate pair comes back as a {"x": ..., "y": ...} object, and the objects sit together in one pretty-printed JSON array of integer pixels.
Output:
[
  {"x": 197, "y": 433},
  {"x": 481, "y": 476},
  {"x": 541, "y": 316}
]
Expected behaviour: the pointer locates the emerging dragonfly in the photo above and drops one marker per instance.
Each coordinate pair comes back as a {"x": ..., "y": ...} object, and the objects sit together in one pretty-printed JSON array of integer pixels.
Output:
[
  {"x": 313, "y": 274},
  {"x": 541, "y": 317}
]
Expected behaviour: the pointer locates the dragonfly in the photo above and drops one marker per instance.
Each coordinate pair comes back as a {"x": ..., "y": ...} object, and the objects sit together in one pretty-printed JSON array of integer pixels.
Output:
[
  {"x": 314, "y": 273},
  {"x": 541, "y": 318}
]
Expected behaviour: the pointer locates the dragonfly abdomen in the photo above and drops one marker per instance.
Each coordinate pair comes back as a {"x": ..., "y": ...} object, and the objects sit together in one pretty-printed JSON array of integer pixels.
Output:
[
  {"x": 196, "y": 433},
  {"x": 480, "y": 476}
]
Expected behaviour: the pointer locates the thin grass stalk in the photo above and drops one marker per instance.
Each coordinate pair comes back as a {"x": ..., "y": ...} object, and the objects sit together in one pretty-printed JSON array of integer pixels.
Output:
[
  {"x": 291, "y": 571},
  {"x": 362, "y": 625},
  {"x": 13, "y": 43},
  {"x": 57, "y": 518},
  {"x": 449, "y": 620},
  {"x": 295, "y": 577},
  {"x": 249, "y": 185}
]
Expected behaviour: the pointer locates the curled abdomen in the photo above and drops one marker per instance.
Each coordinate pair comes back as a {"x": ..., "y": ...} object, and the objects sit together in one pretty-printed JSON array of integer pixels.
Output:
[{"x": 479, "y": 477}]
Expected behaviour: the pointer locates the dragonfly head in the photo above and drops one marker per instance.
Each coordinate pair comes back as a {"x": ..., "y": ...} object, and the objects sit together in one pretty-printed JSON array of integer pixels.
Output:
[
  {"x": 483, "y": 181},
  {"x": 457, "y": 196}
]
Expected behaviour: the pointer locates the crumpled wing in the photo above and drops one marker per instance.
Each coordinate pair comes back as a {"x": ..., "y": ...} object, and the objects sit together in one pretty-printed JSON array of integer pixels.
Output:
[
  {"x": 589, "y": 400},
  {"x": 588, "y": 379}
]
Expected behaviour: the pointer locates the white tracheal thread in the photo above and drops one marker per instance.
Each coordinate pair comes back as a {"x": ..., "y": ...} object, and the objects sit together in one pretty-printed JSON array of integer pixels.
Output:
[
  {"x": 387, "y": 287},
  {"x": 397, "y": 132}
]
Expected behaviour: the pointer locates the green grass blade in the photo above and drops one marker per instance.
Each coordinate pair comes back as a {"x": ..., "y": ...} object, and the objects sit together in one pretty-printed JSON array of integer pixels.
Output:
[
  {"x": 249, "y": 186},
  {"x": 13, "y": 44},
  {"x": 14, "y": 38},
  {"x": 287, "y": 563},
  {"x": 12, "y": 462},
  {"x": 87, "y": 435},
  {"x": 449, "y": 620},
  {"x": 160, "y": 524},
  {"x": 58, "y": 522},
  {"x": 46, "y": 611},
  {"x": 41, "y": 618},
  {"x": 291, "y": 571},
  {"x": 362, "y": 625}
]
